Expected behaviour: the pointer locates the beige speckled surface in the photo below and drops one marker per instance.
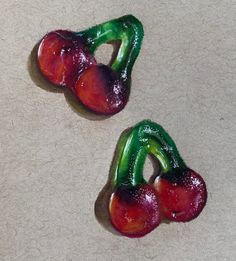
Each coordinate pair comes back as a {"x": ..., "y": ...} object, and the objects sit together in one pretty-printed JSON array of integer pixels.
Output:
[{"x": 54, "y": 162}]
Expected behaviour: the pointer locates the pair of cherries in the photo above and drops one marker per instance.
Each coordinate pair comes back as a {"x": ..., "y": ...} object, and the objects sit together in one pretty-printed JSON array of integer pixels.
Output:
[
  {"x": 178, "y": 194},
  {"x": 67, "y": 59}
]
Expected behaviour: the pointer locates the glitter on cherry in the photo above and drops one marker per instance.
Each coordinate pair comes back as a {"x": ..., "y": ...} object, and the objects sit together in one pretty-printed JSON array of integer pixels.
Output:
[
  {"x": 134, "y": 211},
  {"x": 182, "y": 195}
]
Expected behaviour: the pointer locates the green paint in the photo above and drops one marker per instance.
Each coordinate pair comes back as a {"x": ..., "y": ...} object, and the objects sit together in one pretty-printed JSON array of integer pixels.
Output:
[
  {"x": 135, "y": 144},
  {"x": 126, "y": 29}
]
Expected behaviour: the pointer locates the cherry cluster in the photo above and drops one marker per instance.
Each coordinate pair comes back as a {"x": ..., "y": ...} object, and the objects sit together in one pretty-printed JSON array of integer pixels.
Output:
[
  {"x": 65, "y": 60},
  {"x": 176, "y": 196}
]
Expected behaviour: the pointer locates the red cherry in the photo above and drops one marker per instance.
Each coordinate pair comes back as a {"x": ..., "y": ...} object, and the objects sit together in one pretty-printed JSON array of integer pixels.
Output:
[
  {"x": 62, "y": 56},
  {"x": 134, "y": 211},
  {"x": 100, "y": 89},
  {"x": 182, "y": 196}
]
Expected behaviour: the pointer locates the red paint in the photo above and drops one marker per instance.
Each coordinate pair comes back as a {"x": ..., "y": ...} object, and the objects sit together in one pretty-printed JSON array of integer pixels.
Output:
[
  {"x": 182, "y": 197},
  {"x": 62, "y": 57},
  {"x": 100, "y": 89},
  {"x": 134, "y": 211}
]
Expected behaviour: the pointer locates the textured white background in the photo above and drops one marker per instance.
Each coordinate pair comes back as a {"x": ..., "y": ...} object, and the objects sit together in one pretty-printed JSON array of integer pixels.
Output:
[{"x": 53, "y": 162}]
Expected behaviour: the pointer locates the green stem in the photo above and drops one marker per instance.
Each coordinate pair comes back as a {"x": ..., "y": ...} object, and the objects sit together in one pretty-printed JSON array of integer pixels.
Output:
[
  {"x": 133, "y": 147},
  {"x": 126, "y": 29}
]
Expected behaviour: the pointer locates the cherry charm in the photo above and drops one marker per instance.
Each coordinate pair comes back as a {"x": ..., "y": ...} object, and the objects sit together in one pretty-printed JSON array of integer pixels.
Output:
[
  {"x": 66, "y": 59},
  {"x": 178, "y": 194}
]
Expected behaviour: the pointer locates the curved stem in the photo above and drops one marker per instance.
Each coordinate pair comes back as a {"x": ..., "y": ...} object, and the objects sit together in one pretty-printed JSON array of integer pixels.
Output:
[
  {"x": 133, "y": 147},
  {"x": 126, "y": 29}
]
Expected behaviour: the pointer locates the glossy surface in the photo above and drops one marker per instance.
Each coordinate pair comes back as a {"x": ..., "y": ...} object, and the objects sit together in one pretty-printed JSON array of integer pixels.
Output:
[
  {"x": 135, "y": 211},
  {"x": 66, "y": 58},
  {"x": 127, "y": 30},
  {"x": 100, "y": 89},
  {"x": 179, "y": 191},
  {"x": 62, "y": 57},
  {"x": 182, "y": 197},
  {"x": 136, "y": 144}
]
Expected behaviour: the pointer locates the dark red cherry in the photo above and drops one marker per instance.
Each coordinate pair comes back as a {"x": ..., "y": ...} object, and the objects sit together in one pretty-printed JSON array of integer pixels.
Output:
[
  {"x": 182, "y": 195},
  {"x": 100, "y": 89},
  {"x": 134, "y": 211},
  {"x": 62, "y": 57}
]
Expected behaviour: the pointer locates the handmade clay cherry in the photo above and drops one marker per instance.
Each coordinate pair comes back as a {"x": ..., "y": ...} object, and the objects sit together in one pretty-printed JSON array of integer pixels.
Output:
[
  {"x": 62, "y": 57},
  {"x": 178, "y": 193},
  {"x": 182, "y": 194},
  {"x": 134, "y": 210},
  {"x": 101, "y": 90},
  {"x": 67, "y": 59}
]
